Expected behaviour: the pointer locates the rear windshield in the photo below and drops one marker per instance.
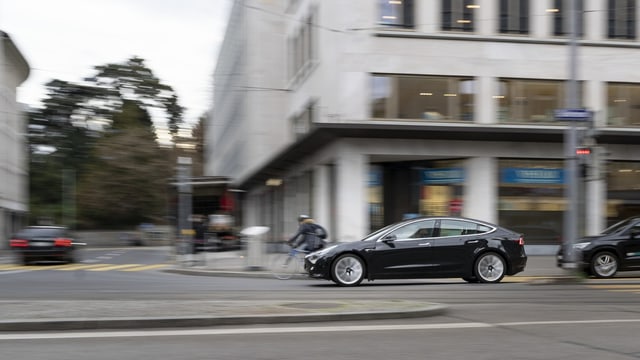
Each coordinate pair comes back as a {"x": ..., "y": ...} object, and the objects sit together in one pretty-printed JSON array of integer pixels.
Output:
[{"x": 41, "y": 232}]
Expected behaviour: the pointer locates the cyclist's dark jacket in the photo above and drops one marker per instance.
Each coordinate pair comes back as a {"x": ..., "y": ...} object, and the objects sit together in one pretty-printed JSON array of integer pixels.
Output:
[{"x": 309, "y": 233}]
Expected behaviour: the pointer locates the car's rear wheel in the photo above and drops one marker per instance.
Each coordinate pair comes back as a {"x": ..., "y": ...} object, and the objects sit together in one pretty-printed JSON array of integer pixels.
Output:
[
  {"x": 489, "y": 268},
  {"x": 604, "y": 264},
  {"x": 347, "y": 270}
]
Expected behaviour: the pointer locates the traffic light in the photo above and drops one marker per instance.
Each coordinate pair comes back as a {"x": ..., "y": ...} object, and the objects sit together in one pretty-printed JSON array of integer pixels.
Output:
[{"x": 583, "y": 154}]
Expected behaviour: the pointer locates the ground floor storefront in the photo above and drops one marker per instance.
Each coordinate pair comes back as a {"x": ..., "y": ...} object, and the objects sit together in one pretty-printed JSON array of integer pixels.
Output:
[{"x": 355, "y": 186}]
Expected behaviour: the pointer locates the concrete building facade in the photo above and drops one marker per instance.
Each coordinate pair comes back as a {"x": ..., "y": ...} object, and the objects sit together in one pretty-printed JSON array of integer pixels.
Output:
[
  {"x": 14, "y": 165},
  {"x": 364, "y": 112}
]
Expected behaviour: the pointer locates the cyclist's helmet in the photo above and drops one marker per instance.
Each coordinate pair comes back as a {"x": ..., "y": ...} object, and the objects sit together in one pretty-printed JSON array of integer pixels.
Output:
[{"x": 303, "y": 217}]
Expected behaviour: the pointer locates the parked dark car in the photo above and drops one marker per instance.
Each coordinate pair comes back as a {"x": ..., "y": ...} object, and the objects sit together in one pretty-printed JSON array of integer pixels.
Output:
[
  {"x": 427, "y": 247},
  {"x": 617, "y": 248},
  {"x": 43, "y": 243}
]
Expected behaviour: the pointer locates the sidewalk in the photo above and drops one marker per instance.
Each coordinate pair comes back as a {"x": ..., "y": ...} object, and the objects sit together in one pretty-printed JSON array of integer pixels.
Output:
[{"x": 129, "y": 314}]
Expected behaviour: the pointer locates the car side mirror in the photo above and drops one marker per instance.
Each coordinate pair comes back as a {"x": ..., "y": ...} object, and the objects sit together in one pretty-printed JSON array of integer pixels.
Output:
[
  {"x": 635, "y": 233},
  {"x": 389, "y": 238}
]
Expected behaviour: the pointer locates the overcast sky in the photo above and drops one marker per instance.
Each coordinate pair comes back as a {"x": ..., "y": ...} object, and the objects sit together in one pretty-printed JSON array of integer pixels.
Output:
[{"x": 65, "y": 39}]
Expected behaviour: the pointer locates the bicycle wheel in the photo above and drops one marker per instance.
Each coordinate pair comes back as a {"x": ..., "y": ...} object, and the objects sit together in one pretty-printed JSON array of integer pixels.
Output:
[{"x": 285, "y": 266}]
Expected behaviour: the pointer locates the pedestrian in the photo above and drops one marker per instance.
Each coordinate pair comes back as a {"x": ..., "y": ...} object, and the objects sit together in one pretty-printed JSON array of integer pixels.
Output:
[{"x": 309, "y": 237}]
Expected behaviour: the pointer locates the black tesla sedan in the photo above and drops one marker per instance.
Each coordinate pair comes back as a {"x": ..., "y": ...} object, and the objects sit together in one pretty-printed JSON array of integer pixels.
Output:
[
  {"x": 426, "y": 247},
  {"x": 617, "y": 248}
]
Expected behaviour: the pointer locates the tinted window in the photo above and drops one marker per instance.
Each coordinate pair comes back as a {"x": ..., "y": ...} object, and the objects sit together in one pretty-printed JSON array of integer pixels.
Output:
[
  {"x": 41, "y": 232},
  {"x": 450, "y": 227},
  {"x": 416, "y": 230}
]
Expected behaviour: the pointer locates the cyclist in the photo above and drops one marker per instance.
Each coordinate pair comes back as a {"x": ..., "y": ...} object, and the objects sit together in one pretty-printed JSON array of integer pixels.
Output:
[{"x": 309, "y": 237}]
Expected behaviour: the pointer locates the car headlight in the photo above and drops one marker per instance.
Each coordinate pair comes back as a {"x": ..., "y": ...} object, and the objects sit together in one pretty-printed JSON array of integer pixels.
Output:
[
  {"x": 580, "y": 246},
  {"x": 314, "y": 256}
]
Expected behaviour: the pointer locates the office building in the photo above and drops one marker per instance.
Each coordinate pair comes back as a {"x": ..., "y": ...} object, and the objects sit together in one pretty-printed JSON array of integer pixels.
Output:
[{"x": 364, "y": 112}]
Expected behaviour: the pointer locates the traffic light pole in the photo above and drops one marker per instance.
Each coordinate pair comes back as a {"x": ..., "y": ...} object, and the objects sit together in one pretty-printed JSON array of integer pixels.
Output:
[{"x": 570, "y": 230}]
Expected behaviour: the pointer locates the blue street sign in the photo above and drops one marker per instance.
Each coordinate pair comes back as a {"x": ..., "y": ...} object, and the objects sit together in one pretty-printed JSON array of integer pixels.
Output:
[{"x": 573, "y": 114}]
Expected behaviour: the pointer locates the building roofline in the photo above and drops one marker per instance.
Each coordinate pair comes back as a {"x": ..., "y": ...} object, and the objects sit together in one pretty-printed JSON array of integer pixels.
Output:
[{"x": 11, "y": 46}]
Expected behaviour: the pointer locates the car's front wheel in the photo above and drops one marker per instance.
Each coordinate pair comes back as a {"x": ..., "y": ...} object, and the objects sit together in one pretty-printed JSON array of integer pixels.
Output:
[
  {"x": 347, "y": 270},
  {"x": 489, "y": 268},
  {"x": 604, "y": 264}
]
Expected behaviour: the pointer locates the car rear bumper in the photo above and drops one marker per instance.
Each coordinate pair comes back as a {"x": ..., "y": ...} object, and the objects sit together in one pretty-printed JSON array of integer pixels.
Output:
[
  {"x": 44, "y": 254},
  {"x": 518, "y": 265}
]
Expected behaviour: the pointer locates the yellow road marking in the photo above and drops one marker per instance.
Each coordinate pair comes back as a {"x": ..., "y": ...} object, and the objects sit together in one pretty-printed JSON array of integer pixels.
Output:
[
  {"x": 80, "y": 267},
  {"x": 108, "y": 267},
  {"x": 147, "y": 267}
]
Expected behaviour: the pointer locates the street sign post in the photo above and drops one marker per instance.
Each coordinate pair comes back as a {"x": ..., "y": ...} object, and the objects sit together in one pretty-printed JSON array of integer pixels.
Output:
[{"x": 573, "y": 114}]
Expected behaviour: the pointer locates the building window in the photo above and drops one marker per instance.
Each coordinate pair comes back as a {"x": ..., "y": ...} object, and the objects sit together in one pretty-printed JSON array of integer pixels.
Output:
[
  {"x": 397, "y": 13},
  {"x": 562, "y": 17},
  {"x": 422, "y": 97},
  {"x": 302, "y": 48},
  {"x": 303, "y": 123},
  {"x": 623, "y": 190},
  {"x": 457, "y": 15},
  {"x": 623, "y": 104},
  {"x": 621, "y": 19},
  {"x": 514, "y": 16},
  {"x": 529, "y": 101},
  {"x": 531, "y": 199}
]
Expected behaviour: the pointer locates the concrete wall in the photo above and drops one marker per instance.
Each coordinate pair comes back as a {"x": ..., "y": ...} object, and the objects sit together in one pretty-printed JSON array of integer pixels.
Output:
[{"x": 159, "y": 236}]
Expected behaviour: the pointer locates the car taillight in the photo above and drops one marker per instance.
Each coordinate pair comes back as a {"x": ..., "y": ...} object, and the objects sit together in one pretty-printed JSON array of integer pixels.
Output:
[
  {"x": 62, "y": 242},
  {"x": 18, "y": 243},
  {"x": 521, "y": 241}
]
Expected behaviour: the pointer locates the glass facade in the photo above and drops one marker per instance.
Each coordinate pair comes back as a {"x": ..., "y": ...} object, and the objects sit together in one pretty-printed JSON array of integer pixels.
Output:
[
  {"x": 529, "y": 101},
  {"x": 457, "y": 15},
  {"x": 621, "y": 19},
  {"x": 622, "y": 104},
  {"x": 531, "y": 199},
  {"x": 623, "y": 190},
  {"x": 422, "y": 97},
  {"x": 514, "y": 17},
  {"x": 398, "y": 13}
]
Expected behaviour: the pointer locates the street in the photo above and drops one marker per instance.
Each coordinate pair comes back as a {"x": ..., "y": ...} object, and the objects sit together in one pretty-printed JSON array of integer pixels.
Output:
[{"x": 517, "y": 319}]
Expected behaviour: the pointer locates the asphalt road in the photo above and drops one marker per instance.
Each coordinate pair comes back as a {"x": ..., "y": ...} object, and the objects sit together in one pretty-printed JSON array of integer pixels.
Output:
[{"x": 518, "y": 320}]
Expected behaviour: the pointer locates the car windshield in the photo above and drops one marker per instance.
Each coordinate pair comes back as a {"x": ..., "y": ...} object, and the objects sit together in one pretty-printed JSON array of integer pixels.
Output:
[
  {"x": 616, "y": 227},
  {"x": 378, "y": 232}
]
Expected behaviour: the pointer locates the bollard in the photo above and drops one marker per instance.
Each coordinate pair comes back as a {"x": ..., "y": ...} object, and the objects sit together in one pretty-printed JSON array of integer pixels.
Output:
[{"x": 255, "y": 246}]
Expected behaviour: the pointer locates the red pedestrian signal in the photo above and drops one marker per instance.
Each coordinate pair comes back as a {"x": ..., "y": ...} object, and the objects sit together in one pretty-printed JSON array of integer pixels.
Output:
[{"x": 583, "y": 151}]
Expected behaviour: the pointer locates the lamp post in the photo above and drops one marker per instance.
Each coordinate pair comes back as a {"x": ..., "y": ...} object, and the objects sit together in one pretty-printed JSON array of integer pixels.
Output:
[{"x": 184, "y": 203}]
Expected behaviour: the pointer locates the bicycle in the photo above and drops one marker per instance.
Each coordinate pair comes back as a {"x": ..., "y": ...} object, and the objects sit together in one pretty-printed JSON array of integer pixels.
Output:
[{"x": 285, "y": 265}]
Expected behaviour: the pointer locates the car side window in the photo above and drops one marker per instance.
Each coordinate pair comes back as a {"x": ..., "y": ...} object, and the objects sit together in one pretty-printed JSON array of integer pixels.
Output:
[
  {"x": 416, "y": 230},
  {"x": 450, "y": 227}
]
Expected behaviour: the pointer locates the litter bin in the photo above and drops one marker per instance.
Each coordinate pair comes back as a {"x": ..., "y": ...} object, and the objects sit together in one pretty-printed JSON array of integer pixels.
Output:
[{"x": 255, "y": 246}]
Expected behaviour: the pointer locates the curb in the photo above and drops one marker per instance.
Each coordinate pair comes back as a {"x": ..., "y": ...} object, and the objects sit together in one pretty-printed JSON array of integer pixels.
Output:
[
  {"x": 229, "y": 273},
  {"x": 190, "y": 321}
]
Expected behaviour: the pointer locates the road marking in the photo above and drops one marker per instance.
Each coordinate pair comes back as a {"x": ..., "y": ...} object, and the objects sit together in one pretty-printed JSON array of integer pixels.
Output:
[
  {"x": 298, "y": 329},
  {"x": 72, "y": 267},
  {"x": 113, "y": 267},
  {"x": 625, "y": 288},
  {"x": 147, "y": 267},
  {"x": 13, "y": 269}
]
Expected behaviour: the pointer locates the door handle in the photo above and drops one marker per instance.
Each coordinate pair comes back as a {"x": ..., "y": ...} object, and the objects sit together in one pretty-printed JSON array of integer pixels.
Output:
[
  {"x": 473, "y": 241},
  {"x": 425, "y": 244}
]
